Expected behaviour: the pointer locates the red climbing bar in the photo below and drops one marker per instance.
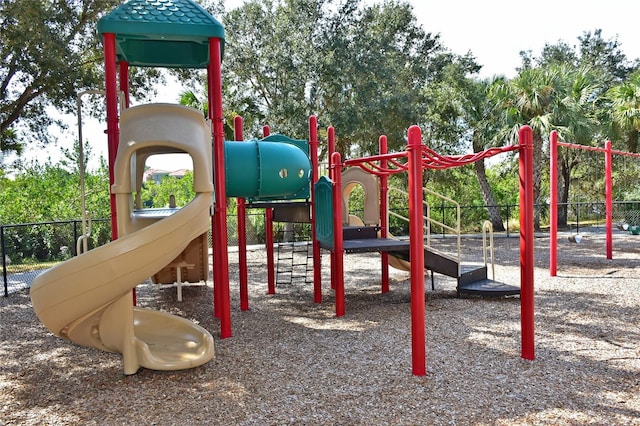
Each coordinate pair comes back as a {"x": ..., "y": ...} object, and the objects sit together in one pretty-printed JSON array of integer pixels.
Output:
[
  {"x": 268, "y": 230},
  {"x": 525, "y": 162},
  {"x": 123, "y": 77},
  {"x": 241, "y": 204},
  {"x": 113, "y": 133},
  {"x": 416, "y": 233},
  {"x": 331, "y": 148}
]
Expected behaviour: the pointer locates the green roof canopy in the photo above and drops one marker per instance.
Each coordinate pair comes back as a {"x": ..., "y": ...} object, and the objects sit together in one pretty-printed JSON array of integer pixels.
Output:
[{"x": 162, "y": 33}]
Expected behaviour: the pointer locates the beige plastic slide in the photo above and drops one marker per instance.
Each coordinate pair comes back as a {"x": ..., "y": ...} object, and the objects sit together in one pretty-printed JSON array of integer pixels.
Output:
[{"x": 88, "y": 299}]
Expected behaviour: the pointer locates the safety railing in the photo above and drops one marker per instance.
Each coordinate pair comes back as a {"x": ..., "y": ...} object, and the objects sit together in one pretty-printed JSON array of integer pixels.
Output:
[
  {"x": 487, "y": 249},
  {"x": 429, "y": 221}
]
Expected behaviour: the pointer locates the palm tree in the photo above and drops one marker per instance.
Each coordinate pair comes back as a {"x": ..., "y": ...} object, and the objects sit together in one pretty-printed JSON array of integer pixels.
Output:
[
  {"x": 625, "y": 111},
  {"x": 190, "y": 99},
  {"x": 576, "y": 120},
  {"x": 552, "y": 97},
  {"x": 530, "y": 98}
]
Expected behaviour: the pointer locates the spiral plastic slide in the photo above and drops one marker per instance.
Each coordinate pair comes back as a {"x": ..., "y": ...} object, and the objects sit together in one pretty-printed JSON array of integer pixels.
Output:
[{"x": 88, "y": 299}]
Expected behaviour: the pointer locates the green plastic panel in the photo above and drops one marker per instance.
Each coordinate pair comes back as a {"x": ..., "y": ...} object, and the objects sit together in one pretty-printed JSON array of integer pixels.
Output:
[
  {"x": 162, "y": 33},
  {"x": 324, "y": 212}
]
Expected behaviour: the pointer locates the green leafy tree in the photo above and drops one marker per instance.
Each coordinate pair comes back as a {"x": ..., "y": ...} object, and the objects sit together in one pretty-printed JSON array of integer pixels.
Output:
[
  {"x": 51, "y": 192},
  {"x": 158, "y": 195},
  {"x": 625, "y": 110},
  {"x": 530, "y": 98},
  {"x": 583, "y": 111},
  {"x": 270, "y": 68},
  {"x": 50, "y": 51},
  {"x": 376, "y": 60},
  {"x": 461, "y": 116}
]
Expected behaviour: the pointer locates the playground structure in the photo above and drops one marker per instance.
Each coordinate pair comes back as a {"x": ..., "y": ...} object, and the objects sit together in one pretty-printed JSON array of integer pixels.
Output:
[
  {"x": 371, "y": 234},
  {"x": 143, "y": 246},
  {"x": 88, "y": 299},
  {"x": 553, "y": 202}
]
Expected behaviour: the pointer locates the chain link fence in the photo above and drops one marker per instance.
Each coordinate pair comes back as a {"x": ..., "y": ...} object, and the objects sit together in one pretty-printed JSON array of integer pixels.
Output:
[{"x": 29, "y": 248}]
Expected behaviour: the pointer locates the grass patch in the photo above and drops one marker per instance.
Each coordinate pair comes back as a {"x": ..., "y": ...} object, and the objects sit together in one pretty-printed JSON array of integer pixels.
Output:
[{"x": 23, "y": 267}]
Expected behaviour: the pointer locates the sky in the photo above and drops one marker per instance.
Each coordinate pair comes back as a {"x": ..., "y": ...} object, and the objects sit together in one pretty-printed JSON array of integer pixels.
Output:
[{"x": 494, "y": 31}]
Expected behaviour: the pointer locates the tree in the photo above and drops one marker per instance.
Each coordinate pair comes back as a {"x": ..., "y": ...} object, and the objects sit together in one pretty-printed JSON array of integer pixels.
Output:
[
  {"x": 576, "y": 119},
  {"x": 583, "y": 111},
  {"x": 625, "y": 111},
  {"x": 158, "y": 195},
  {"x": 376, "y": 61},
  {"x": 46, "y": 192},
  {"x": 529, "y": 98},
  {"x": 270, "y": 68},
  {"x": 359, "y": 68},
  {"x": 49, "y": 52},
  {"x": 462, "y": 116}
]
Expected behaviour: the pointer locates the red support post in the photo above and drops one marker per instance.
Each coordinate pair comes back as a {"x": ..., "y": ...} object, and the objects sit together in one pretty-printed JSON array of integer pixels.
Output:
[
  {"x": 317, "y": 258},
  {"x": 608, "y": 185},
  {"x": 123, "y": 79},
  {"x": 113, "y": 132},
  {"x": 222, "y": 299},
  {"x": 123, "y": 68},
  {"x": 553, "y": 204},
  {"x": 525, "y": 162},
  {"x": 242, "y": 229},
  {"x": 384, "y": 212},
  {"x": 331, "y": 148},
  {"x": 268, "y": 230},
  {"x": 269, "y": 242},
  {"x": 338, "y": 245},
  {"x": 416, "y": 235}
]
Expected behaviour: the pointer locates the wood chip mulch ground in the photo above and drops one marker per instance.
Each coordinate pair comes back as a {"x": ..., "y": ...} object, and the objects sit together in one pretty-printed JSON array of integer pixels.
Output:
[{"x": 292, "y": 362}]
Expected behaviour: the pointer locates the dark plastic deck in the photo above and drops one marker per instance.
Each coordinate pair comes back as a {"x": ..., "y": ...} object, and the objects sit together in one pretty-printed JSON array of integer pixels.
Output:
[
  {"x": 471, "y": 279},
  {"x": 488, "y": 288}
]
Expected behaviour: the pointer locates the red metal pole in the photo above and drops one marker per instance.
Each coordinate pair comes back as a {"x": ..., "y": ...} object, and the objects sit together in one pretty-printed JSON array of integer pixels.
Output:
[
  {"x": 221, "y": 260},
  {"x": 553, "y": 204},
  {"x": 113, "y": 132},
  {"x": 317, "y": 258},
  {"x": 242, "y": 229},
  {"x": 269, "y": 242},
  {"x": 608, "y": 185},
  {"x": 525, "y": 161},
  {"x": 331, "y": 148},
  {"x": 338, "y": 246},
  {"x": 268, "y": 230},
  {"x": 416, "y": 234},
  {"x": 123, "y": 78},
  {"x": 384, "y": 214},
  {"x": 124, "y": 81}
]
